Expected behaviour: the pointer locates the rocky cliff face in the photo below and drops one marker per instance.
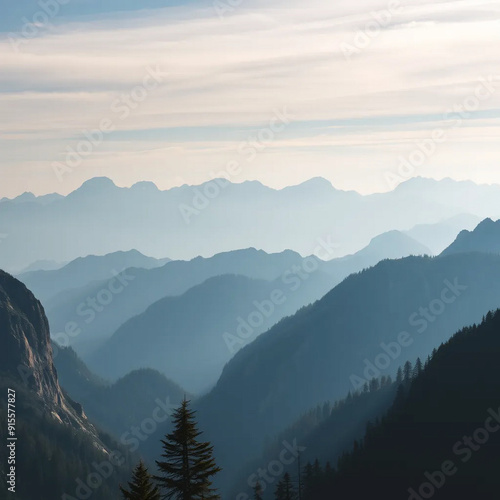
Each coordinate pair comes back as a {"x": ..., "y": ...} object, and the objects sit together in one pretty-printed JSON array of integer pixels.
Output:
[{"x": 26, "y": 356}]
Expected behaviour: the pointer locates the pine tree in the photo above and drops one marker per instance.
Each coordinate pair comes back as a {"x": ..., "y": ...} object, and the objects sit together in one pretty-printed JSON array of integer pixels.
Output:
[
  {"x": 285, "y": 490},
  {"x": 308, "y": 479},
  {"x": 188, "y": 465},
  {"x": 141, "y": 487},
  {"x": 407, "y": 370},
  {"x": 399, "y": 376},
  {"x": 257, "y": 492},
  {"x": 417, "y": 370}
]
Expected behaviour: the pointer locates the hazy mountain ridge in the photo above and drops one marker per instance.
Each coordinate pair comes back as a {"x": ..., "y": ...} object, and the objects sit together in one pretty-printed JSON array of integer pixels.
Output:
[
  {"x": 110, "y": 405},
  {"x": 484, "y": 238},
  {"x": 57, "y": 444},
  {"x": 442, "y": 419},
  {"x": 100, "y": 218},
  {"x": 207, "y": 325},
  {"x": 137, "y": 289},
  {"x": 318, "y": 351},
  {"x": 84, "y": 270}
]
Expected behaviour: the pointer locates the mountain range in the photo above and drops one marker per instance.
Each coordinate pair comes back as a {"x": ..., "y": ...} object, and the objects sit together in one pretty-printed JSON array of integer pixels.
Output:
[
  {"x": 363, "y": 328},
  {"x": 183, "y": 222},
  {"x": 340, "y": 348},
  {"x": 83, "y": 270}
]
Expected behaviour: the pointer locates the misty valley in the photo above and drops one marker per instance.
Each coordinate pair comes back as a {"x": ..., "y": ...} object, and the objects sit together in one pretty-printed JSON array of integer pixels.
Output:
[
  {"x": 271, "y": 374},
  {"x": 249, "y": 250}
]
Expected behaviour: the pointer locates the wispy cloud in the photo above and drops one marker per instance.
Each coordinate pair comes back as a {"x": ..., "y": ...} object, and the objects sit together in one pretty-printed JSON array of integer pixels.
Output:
[{"x": 231, "y": 74}]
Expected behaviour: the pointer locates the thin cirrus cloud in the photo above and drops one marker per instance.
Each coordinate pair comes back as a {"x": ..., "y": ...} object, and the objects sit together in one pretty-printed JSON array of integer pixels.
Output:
[{"x": 223, "y": 80}]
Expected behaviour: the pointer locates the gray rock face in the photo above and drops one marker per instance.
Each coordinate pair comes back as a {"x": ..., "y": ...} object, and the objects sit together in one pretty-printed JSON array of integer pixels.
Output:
[{"x": 26, "y": 356}]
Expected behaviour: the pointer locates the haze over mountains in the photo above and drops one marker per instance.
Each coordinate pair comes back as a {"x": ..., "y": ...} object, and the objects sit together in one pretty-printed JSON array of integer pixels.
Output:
[
  {"x": 57, "y": 443},
  {"x": 181, "y": 223},
  {"x": 82, "y": 271},
  {"x": 267, "y": 342},
  {"x": 336, "y": 345},
  {"x": 484, "y": 238}
]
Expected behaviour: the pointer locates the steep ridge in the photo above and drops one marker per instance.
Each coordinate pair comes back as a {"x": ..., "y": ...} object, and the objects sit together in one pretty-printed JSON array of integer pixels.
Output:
[
  {"x": 118, "y": 407},
  {"x": 363, "y": 328},
  {"x": 441, "y": 436},
  {"x": 484, "y": 238},
  {"x": 57, "y": 446}
]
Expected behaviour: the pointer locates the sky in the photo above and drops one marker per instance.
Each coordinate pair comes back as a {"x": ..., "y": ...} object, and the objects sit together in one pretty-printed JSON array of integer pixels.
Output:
[{"x": 365, "y": 94}]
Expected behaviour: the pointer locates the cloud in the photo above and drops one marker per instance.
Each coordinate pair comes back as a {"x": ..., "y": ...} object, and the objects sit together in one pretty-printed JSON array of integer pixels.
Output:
[{"x": 232, "y": 73}]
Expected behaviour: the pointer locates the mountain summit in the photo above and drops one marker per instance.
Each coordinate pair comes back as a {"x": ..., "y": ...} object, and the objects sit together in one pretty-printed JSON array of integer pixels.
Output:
[{"x": 485, "y": 238}]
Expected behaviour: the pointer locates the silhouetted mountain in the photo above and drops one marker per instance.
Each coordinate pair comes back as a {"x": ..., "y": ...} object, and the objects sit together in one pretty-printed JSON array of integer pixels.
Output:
[
  {"x": 118, "y": 407},
  {"x": 56, "y": 446},
  {"x": 484, "y": 238},
  {"x": 323, "y": 433},
  {"x": 84, "y": 270},
  {"x": 43, "y": 265},
  {"x": 439, "y": 236},
  {"x": 31, "y": 198},
  {"x": 191, "y": 337},
  {"x": 390, "y": 245},
  {"x": 399, "y": 309},
  {"x": 119, "y": 299},
  {"x": 441, "y": 436},
  {"x": 100, "y": 218}
]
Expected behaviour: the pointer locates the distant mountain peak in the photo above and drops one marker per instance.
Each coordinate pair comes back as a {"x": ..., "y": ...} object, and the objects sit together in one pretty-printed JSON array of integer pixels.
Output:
[
  {"x": 484, "y": 238},
  {"x": 395, "y": 241},
  {"x": 97, "y": 184},
  {"x": 145, "y": 186}
]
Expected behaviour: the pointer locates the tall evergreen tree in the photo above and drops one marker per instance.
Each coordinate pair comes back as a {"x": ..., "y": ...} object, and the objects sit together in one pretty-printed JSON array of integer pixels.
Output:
[
  {"x": 188, "y": 466},
  {"x": 141, "y": 487},
  {"x": 285, "y": 489},
  {"x": 417, "y": 370},
  {"x": 257, "y": 492},
  {"x": 399, "y": 376},
  {"x": 407, "y": 371}
]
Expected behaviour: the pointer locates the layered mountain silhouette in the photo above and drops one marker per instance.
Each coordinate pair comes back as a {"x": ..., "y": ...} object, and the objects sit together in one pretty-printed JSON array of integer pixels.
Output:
[
  {"x": 363, "y": 328},
  {"x": 100, "y": 218},
  {"x": 56, "y": 445},
  {"x": 131, "y": 292},
  {"x": 119, "y": 407},
  {"x": 441, "y": 436},
  {"x": 439, "y": 236},
  {"x": 82, "y": 271},
  {"x": 191, "y": 337},
  {"x": 323, "y": 434},
  {"x": 308, "y": 278},
  {"x": 484, "y": 238},
  {"x": 43, "y": 265}
]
